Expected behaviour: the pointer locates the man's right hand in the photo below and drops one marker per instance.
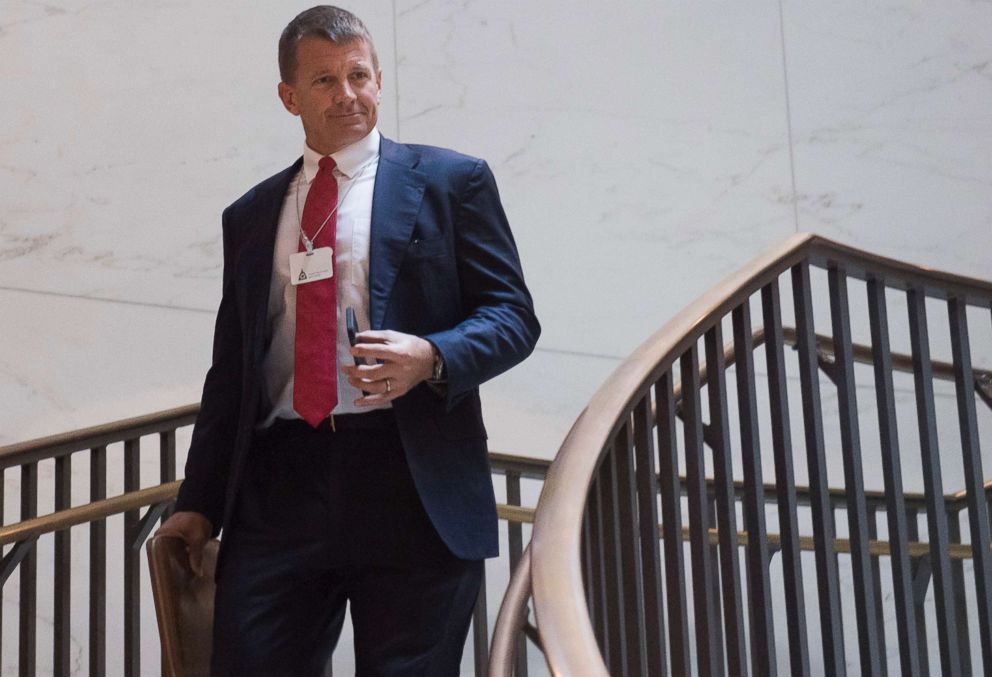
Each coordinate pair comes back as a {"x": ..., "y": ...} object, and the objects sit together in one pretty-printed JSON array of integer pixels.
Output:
[{"x": 194, "y": 529}]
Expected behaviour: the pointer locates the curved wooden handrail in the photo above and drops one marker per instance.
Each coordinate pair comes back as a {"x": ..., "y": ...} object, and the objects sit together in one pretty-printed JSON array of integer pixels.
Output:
[
  {"x": 511, "y": 619},
  {"x": 556, "y": 576},
  {"x": 556, "y": 572}
]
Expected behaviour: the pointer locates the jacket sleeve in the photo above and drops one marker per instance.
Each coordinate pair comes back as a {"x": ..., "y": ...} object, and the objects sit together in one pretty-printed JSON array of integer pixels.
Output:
[
  {"x": 203, "y": 489},
  {"x": 500, "y": 328}
]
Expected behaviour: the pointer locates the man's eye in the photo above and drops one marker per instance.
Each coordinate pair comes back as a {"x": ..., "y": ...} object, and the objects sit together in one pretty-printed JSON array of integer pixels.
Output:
[{"x": 360, "y": 76}]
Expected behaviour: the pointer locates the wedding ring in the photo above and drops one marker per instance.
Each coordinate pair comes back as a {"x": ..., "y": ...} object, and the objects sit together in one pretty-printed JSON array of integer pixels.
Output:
[{"x": 389, "y": 388}]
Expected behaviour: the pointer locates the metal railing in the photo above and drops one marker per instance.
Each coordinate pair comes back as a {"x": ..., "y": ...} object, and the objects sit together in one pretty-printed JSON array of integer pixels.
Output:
[
  {"x": 616, "y": 591},
  {"x": 116, "y": 448}
]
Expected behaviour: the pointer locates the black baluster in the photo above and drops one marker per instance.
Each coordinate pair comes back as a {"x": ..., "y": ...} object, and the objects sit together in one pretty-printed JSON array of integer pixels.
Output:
[
  {"x": 704, "y": 580},
  {"x": 726, "y": 508},
  {"x": 762, "y": 623},
  {"x": 939, "y": 561},
  {"x": 978, "y": 517},
  {"x": 98, "y": 566},
  {"x": 132, "y": 564},
  {"x": 27, "y": 644},
  {"x": 895, "y": 503},
  {"x": 671, "y": 515},
  {"x": 613, "y": 565},
  {"x": 857, "y": 516},
  {"x": 630, "y": 560},
  {"x": 63, "y": 568},
  {"x": 828, "y": 581},
  {"x": 785, "y": 478},
  {"x": 650, "y": 550}
]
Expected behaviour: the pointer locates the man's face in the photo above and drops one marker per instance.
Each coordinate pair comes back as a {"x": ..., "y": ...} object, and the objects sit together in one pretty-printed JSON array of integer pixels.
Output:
[{"x": 335, "y": 91}]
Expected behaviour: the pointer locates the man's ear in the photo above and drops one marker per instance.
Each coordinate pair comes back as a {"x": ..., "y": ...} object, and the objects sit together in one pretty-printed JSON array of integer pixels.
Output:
[{"x": 288, "y": 97}]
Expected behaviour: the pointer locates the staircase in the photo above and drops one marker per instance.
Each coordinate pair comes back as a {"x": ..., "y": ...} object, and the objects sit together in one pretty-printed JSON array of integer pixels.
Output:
[{"x": 786, "y": 478}]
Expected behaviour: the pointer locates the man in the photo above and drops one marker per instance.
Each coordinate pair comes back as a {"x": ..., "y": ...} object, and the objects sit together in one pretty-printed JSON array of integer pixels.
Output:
[{"x": 335, "y": 482}]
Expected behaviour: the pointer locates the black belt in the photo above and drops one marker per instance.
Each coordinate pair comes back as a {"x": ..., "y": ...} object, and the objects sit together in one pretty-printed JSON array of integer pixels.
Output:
[{"x": 372, "y": 420}]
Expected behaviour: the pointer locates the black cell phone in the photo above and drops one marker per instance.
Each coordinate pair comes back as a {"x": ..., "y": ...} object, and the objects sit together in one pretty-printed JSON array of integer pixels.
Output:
[{"x": 352, "y": 323}]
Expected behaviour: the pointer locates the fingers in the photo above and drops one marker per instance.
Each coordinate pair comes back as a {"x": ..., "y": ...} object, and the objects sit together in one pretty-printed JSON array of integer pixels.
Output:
[
  {"x": 386, "y": 345},
  {"x": 195, "y": 557},
  {"x": 194, "y": 546},
  {"x": 379, "y": 390},
  {"x": 404, "y": 361},
  {"x": 386, "y": 352},
  {"x": 376, "y": 336},
  {"x": 368, "y": 371},
  {"x": 370, "y": 375},
  {"x": 194, "y": 529},
  {"x": 379, "y": 383},
  {"x": 372, "y": 400}
]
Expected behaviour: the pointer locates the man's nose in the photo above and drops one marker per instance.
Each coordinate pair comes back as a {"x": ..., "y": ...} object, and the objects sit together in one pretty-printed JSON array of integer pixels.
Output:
[{"x": 345, "y": 92}]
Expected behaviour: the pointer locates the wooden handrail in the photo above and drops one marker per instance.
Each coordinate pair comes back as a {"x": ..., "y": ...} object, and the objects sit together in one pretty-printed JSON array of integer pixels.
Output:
[
  {"x": 511, "y": 619},
  {"x": 558, "y": 591},
  {"x": 64, "y": 519},
  {"x": 61, "y": 444},
  {"x": 876, "y": 548},
  {"x": 525, "y": 466}
]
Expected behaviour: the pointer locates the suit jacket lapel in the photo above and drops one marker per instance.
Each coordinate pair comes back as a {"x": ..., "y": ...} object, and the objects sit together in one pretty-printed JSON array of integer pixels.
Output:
[
  {"x": 399, "y": 189},
  {"x": 255, "y": 265}
]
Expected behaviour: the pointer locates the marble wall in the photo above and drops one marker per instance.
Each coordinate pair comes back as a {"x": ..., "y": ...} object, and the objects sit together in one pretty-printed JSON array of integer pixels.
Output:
[{"x": 643, "y": 151}]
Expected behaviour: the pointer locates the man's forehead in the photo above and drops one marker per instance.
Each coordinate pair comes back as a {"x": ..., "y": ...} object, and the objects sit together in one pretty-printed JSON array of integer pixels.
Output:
[{"x": 318, "y": 53}]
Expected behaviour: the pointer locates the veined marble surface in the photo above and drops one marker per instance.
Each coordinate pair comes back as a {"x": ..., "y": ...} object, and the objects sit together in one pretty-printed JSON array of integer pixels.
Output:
[
  {"x": 643, "y": 152},
  {"x": 892, "y": 127},
  {"x": 128, "y": 127},
  {"x": 636, "y": 176}
]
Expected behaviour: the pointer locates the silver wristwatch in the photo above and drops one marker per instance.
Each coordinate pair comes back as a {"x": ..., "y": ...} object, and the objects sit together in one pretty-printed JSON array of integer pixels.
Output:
[{"x": 438, "y": 374}]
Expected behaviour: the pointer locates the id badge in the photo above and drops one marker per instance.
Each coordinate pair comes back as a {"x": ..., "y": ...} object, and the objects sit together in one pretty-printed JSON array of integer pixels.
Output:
[{"x": 305, "y": 268}]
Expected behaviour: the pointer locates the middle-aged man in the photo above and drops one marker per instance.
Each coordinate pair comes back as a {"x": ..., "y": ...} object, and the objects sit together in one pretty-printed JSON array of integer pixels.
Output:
[{"x": 333, "y": 482}]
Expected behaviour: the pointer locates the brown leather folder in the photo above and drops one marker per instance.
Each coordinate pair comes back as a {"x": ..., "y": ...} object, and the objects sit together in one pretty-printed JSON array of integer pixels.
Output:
[{"x": 184, "y": 605}]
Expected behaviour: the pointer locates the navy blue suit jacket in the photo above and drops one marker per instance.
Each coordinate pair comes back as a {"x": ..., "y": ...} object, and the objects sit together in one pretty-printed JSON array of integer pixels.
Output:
[{"x": 444, "y": 266}]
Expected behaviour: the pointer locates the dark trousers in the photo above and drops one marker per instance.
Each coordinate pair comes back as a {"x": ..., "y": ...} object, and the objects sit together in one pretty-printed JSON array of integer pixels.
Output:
[{"x": 326, "y": 518}]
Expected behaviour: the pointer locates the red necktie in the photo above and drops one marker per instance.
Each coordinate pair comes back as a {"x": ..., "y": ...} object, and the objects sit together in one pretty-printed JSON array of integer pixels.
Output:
[{"x": 315, "y": 374}]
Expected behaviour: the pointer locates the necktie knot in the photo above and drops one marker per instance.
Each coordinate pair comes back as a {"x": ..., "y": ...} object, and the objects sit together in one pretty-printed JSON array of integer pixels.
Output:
[{"x": 327, "y": 163}]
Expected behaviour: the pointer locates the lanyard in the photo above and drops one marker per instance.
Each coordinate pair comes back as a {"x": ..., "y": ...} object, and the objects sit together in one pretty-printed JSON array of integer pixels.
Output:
[{"x": 308, "y": 242}]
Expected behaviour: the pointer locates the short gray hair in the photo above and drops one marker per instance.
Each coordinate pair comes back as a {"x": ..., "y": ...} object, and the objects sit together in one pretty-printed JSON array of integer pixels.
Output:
[{"x": 323, "y": 21}]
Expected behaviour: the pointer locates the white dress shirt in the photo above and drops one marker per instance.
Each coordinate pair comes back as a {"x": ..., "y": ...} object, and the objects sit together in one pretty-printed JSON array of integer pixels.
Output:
[{"x": 355, "y": 172}]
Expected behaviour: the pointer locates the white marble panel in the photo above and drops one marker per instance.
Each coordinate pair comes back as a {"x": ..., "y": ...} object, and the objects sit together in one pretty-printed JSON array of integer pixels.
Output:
[
  {"x": 642, "y": 153},
  {"x": 128, "y": 127},
  {"x": 68, "y": 363},
  {"x": 530, "y": 409},
  {"x": 892, "y": 127}
]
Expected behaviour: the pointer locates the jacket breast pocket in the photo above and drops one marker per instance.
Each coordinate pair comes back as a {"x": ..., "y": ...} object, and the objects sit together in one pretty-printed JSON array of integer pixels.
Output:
[{"x": 425, "y": 249}]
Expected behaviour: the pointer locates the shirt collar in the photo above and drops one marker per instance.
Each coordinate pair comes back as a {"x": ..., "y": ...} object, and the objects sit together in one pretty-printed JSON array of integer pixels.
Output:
[{"x": 349, "y": 159}]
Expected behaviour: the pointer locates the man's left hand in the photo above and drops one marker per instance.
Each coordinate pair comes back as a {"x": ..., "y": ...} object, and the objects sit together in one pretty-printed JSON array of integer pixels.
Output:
[{"x": 404, "y": 361}]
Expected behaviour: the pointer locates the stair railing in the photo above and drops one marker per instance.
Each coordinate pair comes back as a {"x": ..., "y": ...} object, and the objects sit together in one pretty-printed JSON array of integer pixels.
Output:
[{"x": 615, "y": 591}]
